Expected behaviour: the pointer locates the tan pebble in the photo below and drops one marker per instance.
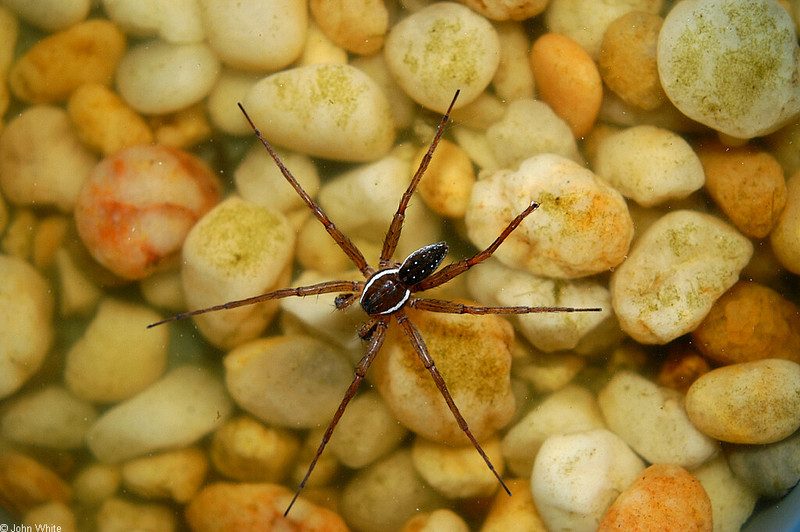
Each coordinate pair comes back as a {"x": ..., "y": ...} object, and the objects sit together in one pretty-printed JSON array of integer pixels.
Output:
[
  {"x": 57, "y": 515},
  {"x": 183, "y": 129},
  {"x": 18, "y": 237},
  {"x": 320, "y": 49},
  {"x": 681, "y": 368},
  {"x": 9, "y": 31},
  {"x": 732, "y": 500},
  {"x": 326, "y": 472},
  {"x": 664, "y": 497},
  {"x": 435, "y": 521},
  {"x": 104, "y": 121},
  {"x": 78, "y": 292},
  {"x": 50, "y": 234},
  {"x": 513, "y": 79},
  {"x": 224, "y": 507},
  {"x": 175, "y": 475},
  {"x": 232, "y": 86},
  {"x": 752, "y": 402},
  {"x": 750, "y": 322},
  {"x": 119, "y": 514},
  {"x": 358, "y": 27},
  {"x": 785, "y": 237},
  {"x": 448, "y": 180},
  {"x": 25, "y": 483},
  {"x": 748, "y": 185},
  {"x": 627, "y": 59},
  {"x": 505, "y": 9},
  {"x": 243, "y": 449},
  {"x": 545, "y": 372},
  {"x": 458, "y": 472},
  {"x": 85, "y": 53},
  {"x": 96, "y": 482},
  {"x": 517, "y": 513},
  {"x": 568, "y": 80}
]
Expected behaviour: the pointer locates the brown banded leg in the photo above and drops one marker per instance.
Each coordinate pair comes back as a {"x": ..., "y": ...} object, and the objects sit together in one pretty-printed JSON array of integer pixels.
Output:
[
  {"x": 451, "y": 307},
  {"x": 378, "y": 334},
  {"x": 393, "y": 235},
  {"x": 422, "y": 351}
]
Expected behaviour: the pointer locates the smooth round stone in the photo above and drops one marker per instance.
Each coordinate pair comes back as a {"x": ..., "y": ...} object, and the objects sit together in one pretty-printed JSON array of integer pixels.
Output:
[
  {"x": 157, "y": 77},
  {"x": 458, "y": 472},
  {"x": 504, "y": 10},
  {"x": 664, "y": 497},
  {"x": 441, "y": 519},
  {"x": 26, "y": 315},
  {"x": 513, "y": 79},
  {"x": 176, "y": 411},
  {"x": 516, "y": 513},
  {"x": 50, "y": 15},
  {"x": 731, "y": 65},
  {"x": 548, "y": 242},
  {"x": 770, "y": 470},
  {"x": 785, "y": 236},
  {"x": 240, "y": 37},
  {"x": 732, "y": 501},
  {"x": 673, "y": 274},
  {"x": 649, "y": 164},
  {"x": 27, "y": 483},
  {"x": 753, "y": 402},
  {"x": 655, "y": 425},
  {"x": 576, "y": 478},
  {"x": 357, "y": 26},
  {"x": 448, "y": 180},
  {"x": 51, "y": 417},
  {"x": 175, "y": 475},
  {"x": 330, "y": 111},
  {"x": 121, "y": 514},
  {"x": 289, "y": 381},
  {"x": 175, "y": 21},
  {"x": 232, "y": 86},
  {"x": 56, "y": 514},
  {"x": 96, "y": 483},
  {"x": 419, "y": 53}
]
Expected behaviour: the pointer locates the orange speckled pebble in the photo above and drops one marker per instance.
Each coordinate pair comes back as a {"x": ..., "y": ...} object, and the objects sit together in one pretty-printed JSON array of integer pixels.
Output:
[
  {"x": 664, "y": 497},
  {"x": 568, "y": 80}
]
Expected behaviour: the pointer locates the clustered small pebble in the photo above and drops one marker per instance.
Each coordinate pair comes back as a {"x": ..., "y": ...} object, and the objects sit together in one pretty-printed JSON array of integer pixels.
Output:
[{"x": 660, "y": 141}]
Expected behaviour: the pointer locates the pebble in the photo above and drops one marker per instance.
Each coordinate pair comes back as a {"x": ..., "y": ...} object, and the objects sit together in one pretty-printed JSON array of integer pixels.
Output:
[
  {"x": 26, "y": 315},
  {"x": 581, "y": 227},
  {"x": 226, "y": 507},
  {"x": 681, "y": 368},
  {"x": 732, "y": 501},
  {"x": 358, "y": 27},
  {"x": 176, "y": 411},
  {"x": 769, "y": 470},
  {"x": 500, "y": 10},
  {"x": 649, "y": 164},
  {"x": 570, "y": 409},
  {"x": 627, "y": 59},
  {"x": 55, "y": 514},
  {"x": 655, "y": 425},
  {"x": 239, "y": 36},
  {"x": 752, "y": 402},
  {"x": 320, "y": 49},
  {"x": 747, "y": 184},
  {"x": 517, "y": 513},
  {"x": 673, "y": 274},
  {"x": 96, "y": 483},
  {"x": 495, "y": 284},
  {"x": 52, "y": 15},
  {"x": 26, "y": 483},
  {"x": 236, "y": 250},
  {"x": 419, "y": 54},
  {"x": 513, "y": 79},
  {"x": 176, "y": 21},
  {"x": 42, "y": 160},
  {"x": 664, "y": 497},
  {"x": 458, "y": 472},
  {"x": 546, "y": 372},
  {"x": 157, "y": 77},
  {"x": 289, "y": 381},
  {"x": 473, "y": 354},
  {"x": 104, "y": 122},
  {"x": 120, "y": 514},
  {"x": 9, "y": 32},
  {"x": 586, "y": 21},
  {"x": 137, "y": 206},
  {"x": 576, "y": 478},
  {"x": 49, "y": 71},
  {"x": 749, "y": 322},
  {"x": 51, "y": 417},
  {"x": 243, "y": 449},
  {"x": 175, "y": 475},
  {"x": 367, "y": 432},
  {"x": 329, "y": 111},
  {"x": 183, "y": 129},
  {"x": 736, "y": 71},
  {"x": 435, "y": 521},
  {"x": 567, "y": 80},
  {"x": 448, "y": 180},
  {"x": 232, "y": 86},
  {"x": 530, "y": 127},
  {"x": 784, "y": 237}
]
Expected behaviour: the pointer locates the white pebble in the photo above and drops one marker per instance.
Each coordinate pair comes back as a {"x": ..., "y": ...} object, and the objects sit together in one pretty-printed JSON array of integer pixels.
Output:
[
  {"x": 117, "y": 356},
  {"x": 655, "y": 424},
  {"x": 577, "y": 476},
  {"x": 419, "y": 52},
  {"x": 582, "y": 225},
  {"x": 50, "y": 15},
  {"x": 255, "y": 35},
  {"x": 673, "y": 274},
  {"x": 330, "y": 111},
  {"x": 185, "y": 405},
  {"x": 649, "y": 165},
  {"x": 176, "y": 21},
  {"x": 157, "y": 77},
  {"x": 175, "y": 475},
  {"x": 289, "y": 381},
  {"x": 51, "y": 417},
  {"x": 26, "y": 315},
  {"x": 732, "y": 501},
  {"x": 458, "y": 472}
]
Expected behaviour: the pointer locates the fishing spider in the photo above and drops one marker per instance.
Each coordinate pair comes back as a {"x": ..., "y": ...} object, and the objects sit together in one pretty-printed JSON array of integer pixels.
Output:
[{"x": 387, "y": 291}]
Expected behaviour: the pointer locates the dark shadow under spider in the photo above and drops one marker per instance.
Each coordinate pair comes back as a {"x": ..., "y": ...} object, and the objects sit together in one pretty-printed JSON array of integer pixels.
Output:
[{"x": 387, "y": 291}]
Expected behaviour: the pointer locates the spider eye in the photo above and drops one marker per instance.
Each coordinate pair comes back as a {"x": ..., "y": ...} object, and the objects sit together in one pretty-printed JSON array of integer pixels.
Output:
[{"x": 421, "y": 263}]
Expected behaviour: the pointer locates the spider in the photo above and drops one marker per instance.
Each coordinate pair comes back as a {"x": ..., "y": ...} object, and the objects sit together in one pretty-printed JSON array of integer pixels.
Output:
[{"x": 388, "y": 290}]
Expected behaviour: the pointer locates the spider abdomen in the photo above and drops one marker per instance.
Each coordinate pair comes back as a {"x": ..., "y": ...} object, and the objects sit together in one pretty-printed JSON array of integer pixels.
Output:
[{"x": 384, "y": 293}]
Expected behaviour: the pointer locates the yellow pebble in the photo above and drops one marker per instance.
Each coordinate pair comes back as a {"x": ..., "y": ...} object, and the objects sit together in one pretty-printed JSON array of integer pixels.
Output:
[
  {"x": 568, "y": 80},
  {"x": 447, "y": 184}
]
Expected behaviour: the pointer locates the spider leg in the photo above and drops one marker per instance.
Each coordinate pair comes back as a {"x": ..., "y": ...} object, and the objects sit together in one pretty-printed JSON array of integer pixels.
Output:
[
  {"x": 451, "y": 307},
  {"x": 422, "y": 351},
  {"x": 457, "y": 268},
  {"x": 375, "y": 341},
  {"x": 340, "y": 238},
  {"x": 393, "y": 235},
  {"x": 301, "y": 291}
]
